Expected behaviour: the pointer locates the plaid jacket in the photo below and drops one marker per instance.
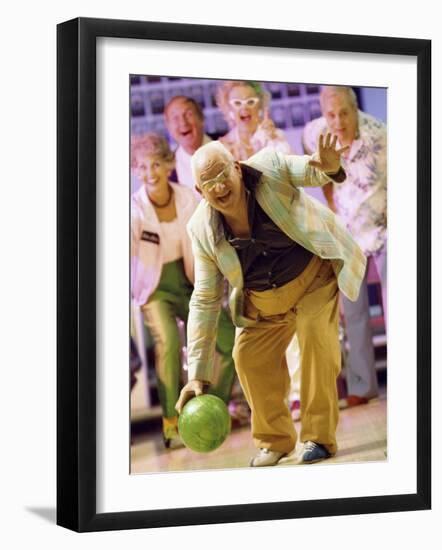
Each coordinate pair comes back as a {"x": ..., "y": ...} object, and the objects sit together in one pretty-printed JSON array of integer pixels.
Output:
[{"x": 300, "y": 216}]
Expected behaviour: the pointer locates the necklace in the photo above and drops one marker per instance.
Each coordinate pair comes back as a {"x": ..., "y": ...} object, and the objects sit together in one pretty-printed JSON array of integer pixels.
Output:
[{"x": 166, "y": 203}]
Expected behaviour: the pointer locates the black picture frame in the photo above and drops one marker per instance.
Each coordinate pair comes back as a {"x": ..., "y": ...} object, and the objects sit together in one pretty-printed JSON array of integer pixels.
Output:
[{"x": 77, "y": 286}]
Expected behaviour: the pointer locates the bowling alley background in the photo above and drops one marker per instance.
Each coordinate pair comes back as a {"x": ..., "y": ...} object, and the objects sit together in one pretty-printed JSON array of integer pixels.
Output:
[{"x": 292, "y": 106}]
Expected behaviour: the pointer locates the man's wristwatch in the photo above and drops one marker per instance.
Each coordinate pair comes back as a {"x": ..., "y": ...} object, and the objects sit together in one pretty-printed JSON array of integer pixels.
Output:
[{"x": 338, "y": 176}]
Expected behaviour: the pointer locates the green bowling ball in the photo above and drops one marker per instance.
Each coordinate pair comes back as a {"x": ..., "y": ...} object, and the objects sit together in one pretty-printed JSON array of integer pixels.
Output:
[{"x": 204, "y": 423}]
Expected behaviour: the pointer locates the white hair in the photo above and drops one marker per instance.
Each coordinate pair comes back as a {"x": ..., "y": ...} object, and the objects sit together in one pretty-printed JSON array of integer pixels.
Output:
[
  {"x": 207, "y": 154},
  {"x": 328, "y": 91}
]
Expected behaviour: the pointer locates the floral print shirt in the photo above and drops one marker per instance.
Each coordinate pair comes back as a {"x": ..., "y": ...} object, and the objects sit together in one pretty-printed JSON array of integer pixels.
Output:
[{"x": 361, "y": 201}]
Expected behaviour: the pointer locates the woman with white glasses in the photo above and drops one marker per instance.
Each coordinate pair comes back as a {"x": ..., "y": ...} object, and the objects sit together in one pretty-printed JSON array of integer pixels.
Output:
[{"x": 245, "y": 106}]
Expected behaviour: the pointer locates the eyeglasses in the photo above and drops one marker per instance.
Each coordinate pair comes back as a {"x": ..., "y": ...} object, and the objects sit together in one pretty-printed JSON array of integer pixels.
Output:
[
  {"x": 210, "y": 184},
  {"x": 249, "y": 102}
]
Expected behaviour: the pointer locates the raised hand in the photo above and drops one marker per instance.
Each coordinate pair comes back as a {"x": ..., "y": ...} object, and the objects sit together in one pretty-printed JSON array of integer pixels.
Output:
[
  {"x": 329, "y": 157},
  {"x": 267, "y": 125}
]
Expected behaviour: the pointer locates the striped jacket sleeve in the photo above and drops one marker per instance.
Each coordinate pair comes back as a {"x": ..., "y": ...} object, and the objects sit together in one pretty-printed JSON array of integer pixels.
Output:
[{"x": 205, "y": 305}]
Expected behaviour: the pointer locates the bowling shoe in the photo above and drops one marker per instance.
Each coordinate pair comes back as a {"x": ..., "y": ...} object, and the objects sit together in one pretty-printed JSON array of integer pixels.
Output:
[
  {"x": 171, "y": 438},
  {"x": 355, "y": 400},
  {"x": 173, "y": 443},
  {"x": 266, "y": 457},
  {"x": 295, "y": 410},
  {"x": 314, "y": 452}
]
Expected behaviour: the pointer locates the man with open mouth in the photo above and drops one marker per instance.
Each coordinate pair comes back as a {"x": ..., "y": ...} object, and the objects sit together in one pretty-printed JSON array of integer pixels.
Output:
[
  {"x": 184, "y": 120},
  {"x": 285, "y": 257}
]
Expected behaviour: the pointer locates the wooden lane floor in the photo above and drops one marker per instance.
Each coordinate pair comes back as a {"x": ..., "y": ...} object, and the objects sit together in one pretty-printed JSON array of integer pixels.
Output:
[{"x": 362, "y": 436}]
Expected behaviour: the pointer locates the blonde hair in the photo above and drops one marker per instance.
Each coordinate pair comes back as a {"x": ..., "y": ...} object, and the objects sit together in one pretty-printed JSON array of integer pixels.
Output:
[
  {"x": 223, "y": 92},
  {"x": 151, "y": 144}
]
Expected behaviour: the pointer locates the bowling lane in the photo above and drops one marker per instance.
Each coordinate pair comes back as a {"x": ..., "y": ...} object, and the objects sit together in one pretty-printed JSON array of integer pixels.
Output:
[
  {"x": 151, "y": 456},
  {"x": 361, "y": 435}
]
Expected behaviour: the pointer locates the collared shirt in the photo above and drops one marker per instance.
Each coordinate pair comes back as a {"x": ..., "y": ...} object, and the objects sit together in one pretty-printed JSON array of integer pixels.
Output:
[
  {"x": 298, "y": 215},
  {"x": 269, "y": 258},
  {"x": 183, "y": 167},
  {"x": 361, "y": 202}
]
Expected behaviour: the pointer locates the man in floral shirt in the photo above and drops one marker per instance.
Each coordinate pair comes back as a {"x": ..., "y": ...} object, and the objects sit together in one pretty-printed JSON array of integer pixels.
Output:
[{"x": 361, "y": 203}]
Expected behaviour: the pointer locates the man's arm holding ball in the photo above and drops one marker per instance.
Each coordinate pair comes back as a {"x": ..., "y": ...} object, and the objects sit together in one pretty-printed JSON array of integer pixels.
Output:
[{"x": 190, "y": 390}]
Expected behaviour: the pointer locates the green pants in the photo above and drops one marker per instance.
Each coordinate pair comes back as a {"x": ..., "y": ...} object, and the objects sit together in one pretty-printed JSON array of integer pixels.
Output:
[{"x": 170, "y": 302}]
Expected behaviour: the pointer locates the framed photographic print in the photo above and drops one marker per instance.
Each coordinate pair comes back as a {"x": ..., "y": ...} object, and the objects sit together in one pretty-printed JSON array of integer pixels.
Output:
[{"x": 136, "y": 100}]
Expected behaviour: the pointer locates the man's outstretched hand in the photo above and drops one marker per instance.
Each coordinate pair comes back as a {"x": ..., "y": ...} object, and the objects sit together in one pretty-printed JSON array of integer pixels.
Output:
[
  {"x": 191, "y": 389},
  {"x": 329, "y": 157}
]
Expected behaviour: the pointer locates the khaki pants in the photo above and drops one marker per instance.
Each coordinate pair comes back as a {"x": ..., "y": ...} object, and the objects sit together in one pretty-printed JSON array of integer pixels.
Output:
[{"x": 308, "y": 305}]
